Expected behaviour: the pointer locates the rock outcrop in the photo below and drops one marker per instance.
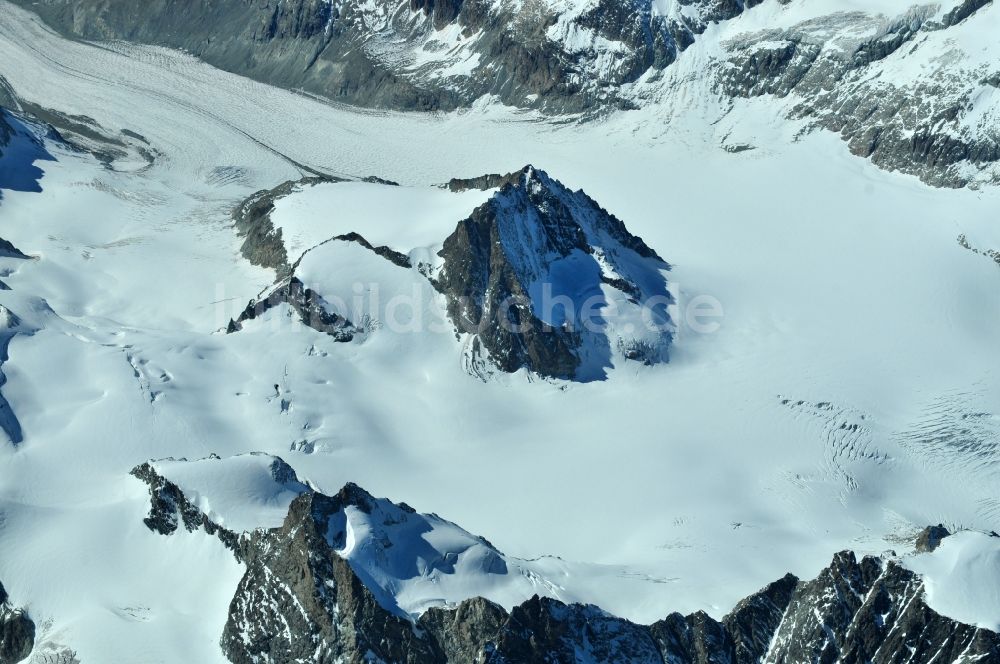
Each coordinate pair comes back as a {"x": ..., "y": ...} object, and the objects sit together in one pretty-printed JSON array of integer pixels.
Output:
[
  {"x": 425, "y": 54},
  {"x": 170, "y": 509},
  {"x": 300, "y": 598},
  {"x": 10, "y": 326},
  {"x": 309, "y": 305},
  {"x": 849, "y": 73},
  {"x": 930, "y": 538},
  {"x": 322, "y": 587},
  {"x": 8, "y": 250},
  {"x": 991, "y": 254},
  {"x": 17, "y": 632},
  {"x": 262, "y": 242},
  {"x": 542, "y": 278}
]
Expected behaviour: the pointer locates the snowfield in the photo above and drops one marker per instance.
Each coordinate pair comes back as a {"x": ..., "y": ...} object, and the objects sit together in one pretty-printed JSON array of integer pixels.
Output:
[
  {"x": 961, "y": 577},
  {"x": 846, "y": 397}
]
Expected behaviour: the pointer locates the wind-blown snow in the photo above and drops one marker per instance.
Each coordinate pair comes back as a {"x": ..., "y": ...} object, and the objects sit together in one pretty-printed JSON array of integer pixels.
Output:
[
  {"x": 239, "y": 493},
  {"x": 399, "y": 217},
  {"x": 962, "y": 578},
  {"x": 858, "y": 340}
]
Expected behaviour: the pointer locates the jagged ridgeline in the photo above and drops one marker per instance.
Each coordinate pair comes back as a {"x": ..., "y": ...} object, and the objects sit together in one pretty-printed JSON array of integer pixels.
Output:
[
  {"x": 367, "y": 53},
  {"x": 537, "y": 277},
  {"x": 325, "y": 585},
  {"x": 851, "y": 72}
]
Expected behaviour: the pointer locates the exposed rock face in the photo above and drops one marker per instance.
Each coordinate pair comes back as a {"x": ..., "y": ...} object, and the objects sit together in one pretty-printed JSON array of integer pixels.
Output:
[
  {"x": 873, "y": 611},
  {"x": 8, "y": 250},
  {"x": 544, "y": 54},
  {"x": 262, "y": 244},
  {"x": 6, "y": 131},
  {"x": 312, "y": 310},
  {"x": 300, "y": 601},
  {"x": 845, "y": 72},
  {"x": 17, "y": 632},
  {"x": 930, "y": 538},
  {"x": 525, "y": 276},
  {"x": 10, "y": 326},
  {"x": 391, "y": 255},
  {"x": 539, "y": 278},
  {"x": 170, "y": 509},
  {"x": 299, "y": 598},
  {"x": 306, "y": 595}
]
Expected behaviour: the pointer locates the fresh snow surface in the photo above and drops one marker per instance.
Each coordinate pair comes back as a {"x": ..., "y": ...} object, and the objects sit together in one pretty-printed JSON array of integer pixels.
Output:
[
  {"x": 402, "y": 218},
  {"x": 847, "y": 396},
  {"x": 239, "y": 493},
  {"x": 411, "y": 561},
  {"x": 962, "y": 578}
]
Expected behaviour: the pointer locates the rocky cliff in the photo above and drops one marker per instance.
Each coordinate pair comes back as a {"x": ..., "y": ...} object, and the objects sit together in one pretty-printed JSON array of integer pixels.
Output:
[
  {"x": 17, "y": 632},
  {"x": 912, "y": 88},
  {"x": 910, "y": 91},
  {"x": 424, "y": 54},
  {"x": 543, "y": 278},
  {"x": 539, "y": 277},
  {"x": 320, "y": 587}
]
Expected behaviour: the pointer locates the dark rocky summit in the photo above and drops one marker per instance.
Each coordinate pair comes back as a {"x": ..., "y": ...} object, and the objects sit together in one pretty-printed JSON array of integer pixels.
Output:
[
  {"x": 523, "y": 276},
  {"x": 299, "y": 600},
  {"x": 17, "y": 632},
  {"x": 539, "y": 277}
]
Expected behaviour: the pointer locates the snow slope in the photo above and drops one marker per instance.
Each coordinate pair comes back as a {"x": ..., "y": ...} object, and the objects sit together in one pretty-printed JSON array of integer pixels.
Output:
[
  {"x": 961, "y": 578},
  {"x": 402, "y": 218},
  {"x": 857, "y": 335}
]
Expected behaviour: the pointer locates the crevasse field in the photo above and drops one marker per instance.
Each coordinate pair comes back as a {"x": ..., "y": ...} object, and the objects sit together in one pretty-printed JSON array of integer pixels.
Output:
[{"x": 847, "y": 395}]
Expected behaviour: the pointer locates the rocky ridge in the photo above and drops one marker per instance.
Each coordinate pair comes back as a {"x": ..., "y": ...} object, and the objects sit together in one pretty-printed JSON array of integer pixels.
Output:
[
  {"x": 17, "y": 632},
  {"x": 909, "y": 89},
  {"x": 170, "y": 509},
  {"x": 424, "y": 54},
  {"x": 991, "y": 254},
  {"x": 302, "y": 598},
  {"x": 539, "y": 277}
]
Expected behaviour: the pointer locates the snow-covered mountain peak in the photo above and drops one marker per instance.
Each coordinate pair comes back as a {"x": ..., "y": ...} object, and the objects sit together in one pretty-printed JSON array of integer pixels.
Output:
[
  {"x": 409, "y": 560},
  {"x": 543, "y": 278}
]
